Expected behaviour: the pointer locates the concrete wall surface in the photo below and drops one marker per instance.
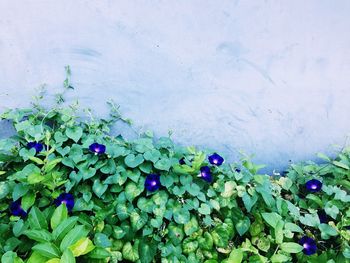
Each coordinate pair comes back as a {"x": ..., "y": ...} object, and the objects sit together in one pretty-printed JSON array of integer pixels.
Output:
[{"x": 265, "y": 76}]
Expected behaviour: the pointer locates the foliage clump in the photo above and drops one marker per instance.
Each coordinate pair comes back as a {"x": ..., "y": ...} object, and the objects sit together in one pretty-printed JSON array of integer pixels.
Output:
[{"x": 71, "y": 192}]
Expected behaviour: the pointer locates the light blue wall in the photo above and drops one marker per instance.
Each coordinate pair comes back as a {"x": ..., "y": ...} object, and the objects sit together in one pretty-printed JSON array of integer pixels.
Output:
[{"x": 267, "y": 77}]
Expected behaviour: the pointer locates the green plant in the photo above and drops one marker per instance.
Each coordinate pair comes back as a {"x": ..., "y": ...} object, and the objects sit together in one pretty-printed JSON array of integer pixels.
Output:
[{"x": 150, "y": 200}]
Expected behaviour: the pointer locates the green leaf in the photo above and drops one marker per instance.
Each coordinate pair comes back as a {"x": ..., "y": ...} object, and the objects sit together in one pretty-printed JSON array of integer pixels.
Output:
[
  {"x": 191, "y": 226},
  {"x": 206, "y": 242},
  {"x": 101, "y": 240},
  {"x": 175, "y": 234},
  {"x": 99, "y": 188},
  {"x": 236, "y": 256},
  {"x": 132, "y": 190},
  {"x": 4, "y": 189},
  {"x": 341, "y": 165},
  {"x": 242, "y": 226},
  {"x": 249, "y": 201},
  {"x": 293, "y": 227},
  {"x": 133, "y": 161},
  {"x": 291, "y": 247},
  {"x": 60, "y": 214},
  {"x": 99, "y": 253},
  {"x": 64, "y": 227},
  {"x": 331, "y": 210},
  {"x": 147, "y": 251},
  {"x": 285, "y": 182},
  {"x": 193, "y": 189},
  {"x": 67, "y": 257},
  {"x": 327, "y": 231},
  {"x": 28, "y": 200},
  {"x": 152, "y": 155},
  {"x": 73, "y": 236},
  {"x": 278, "y": 258},
  {"x": 204, "y": 209},
  {"x": 310, "y": 220},
  {"x": 47, "y": 250},
  {"x": 138, "y": 221},
  {"x": 279, "y": 232},
  {"x": 130, "y": 252},
  {"x": 229, "y": 189},
  {"x": 82, "y": 247},
  {"x": 37, "y": 219},
  {"x": 10, "y": 257},
  {"x": 271, "y": 218},
  {"x": 19, "y": 191},
  {"x": 167, "y": 180},
  {"x": 74, "y": 133},
  {"x": 181, "y": 216},
  {"x": 18, "y": 228},
  {"x": 163, "y": 164},
  {"x": 36, "y": 257},
  {"x": 39, "y": 235}
]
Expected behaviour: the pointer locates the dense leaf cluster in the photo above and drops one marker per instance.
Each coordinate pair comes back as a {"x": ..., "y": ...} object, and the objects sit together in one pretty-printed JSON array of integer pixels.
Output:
[{"x": 238, "y": 216}]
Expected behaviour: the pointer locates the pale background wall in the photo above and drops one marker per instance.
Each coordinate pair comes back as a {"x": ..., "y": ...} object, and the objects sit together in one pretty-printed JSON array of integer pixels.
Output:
[{"x": 268, "y": 77}]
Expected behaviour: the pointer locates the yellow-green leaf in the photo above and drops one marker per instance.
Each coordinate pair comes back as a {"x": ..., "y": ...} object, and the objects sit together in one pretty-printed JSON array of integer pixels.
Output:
[{"x": 82, "y": 247}]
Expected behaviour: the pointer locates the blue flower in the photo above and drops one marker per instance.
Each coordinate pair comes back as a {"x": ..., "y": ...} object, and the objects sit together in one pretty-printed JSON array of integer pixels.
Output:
[
  {"x": 36, "y": 145},
  {"x": 65, "y": 198},
  {"x": 323, "y": 217},
  {"x": 216, "y": 159},
  {"x": 309, "y": 245},
  {"x": 97, "y": 148},
  {"x": 16, "y": 209},
  {"x": 206, "y": 174},
  {"x": 152, "y": 182},
  {"x": 313, "y": 185}
]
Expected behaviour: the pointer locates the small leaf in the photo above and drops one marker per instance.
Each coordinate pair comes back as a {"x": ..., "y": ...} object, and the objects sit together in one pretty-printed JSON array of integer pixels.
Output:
[
  {"x": 271, "y": 218},
  {"x": 242, "y": 226},
  {"x": 181, "y": 216},
  {"x": 74, "y": 133},
  {"x": 101, "y": 240},
  {"x": 147, "y": 250},
  {"x": 204, "y": 209},
  {"x": 291, "y": 247},
  {"x": 236, "y": 256},
  {"x": 28, "y": 200},
  {"x": 99, "y": 188},
  {"x": 133, "y": 161}
]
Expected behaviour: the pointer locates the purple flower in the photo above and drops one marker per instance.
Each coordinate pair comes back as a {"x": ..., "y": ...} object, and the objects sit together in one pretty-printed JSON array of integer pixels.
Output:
[
  {"x": 309, "y": 245},
  {"x": 313, "y": 185},
  {"x": 97, "y": 148},
  {"x": 206, "y": 174},
  {"x": 152, "y": 182},
  {"x": 36, "y": 145},
  {"x": 65, "y": 198},
  {"x": 16, "y": 209},
  {"x": 216, "y": 159},
  {"x": 323, "y": 217}
]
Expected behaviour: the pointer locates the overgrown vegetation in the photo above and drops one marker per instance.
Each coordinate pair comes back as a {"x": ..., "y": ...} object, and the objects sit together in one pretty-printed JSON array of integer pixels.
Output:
[{"x": 71, "y": 192}]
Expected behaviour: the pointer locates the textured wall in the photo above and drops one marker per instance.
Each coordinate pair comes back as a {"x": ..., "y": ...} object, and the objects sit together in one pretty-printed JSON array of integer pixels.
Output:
[{"x": 267, "y": 77}]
